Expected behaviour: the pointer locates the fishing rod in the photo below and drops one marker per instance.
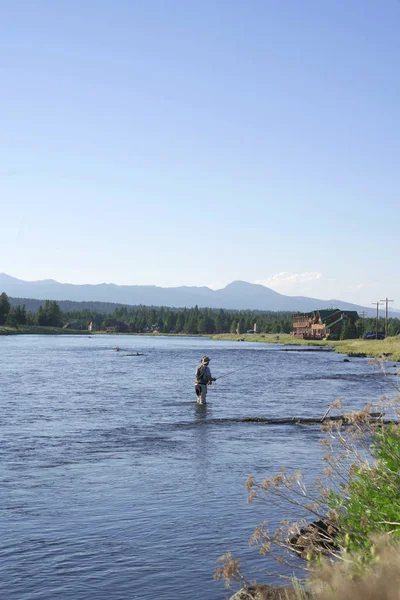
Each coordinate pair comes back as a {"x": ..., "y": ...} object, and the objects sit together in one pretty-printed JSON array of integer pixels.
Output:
[
  {"x": 234, "y": 371},
  {"x": 225, "y": 374}
]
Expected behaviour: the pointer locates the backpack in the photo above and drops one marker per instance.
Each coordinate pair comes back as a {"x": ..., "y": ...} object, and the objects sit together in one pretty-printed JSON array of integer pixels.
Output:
[{"x": 201, "y": 375}]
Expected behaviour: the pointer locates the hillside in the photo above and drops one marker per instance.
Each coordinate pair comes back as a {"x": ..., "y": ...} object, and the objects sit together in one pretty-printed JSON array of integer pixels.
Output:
[{"x": 238, "y": 295}]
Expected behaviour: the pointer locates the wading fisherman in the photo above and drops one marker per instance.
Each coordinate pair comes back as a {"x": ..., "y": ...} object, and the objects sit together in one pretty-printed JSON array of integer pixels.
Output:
[{"x": 203, "y": 379}]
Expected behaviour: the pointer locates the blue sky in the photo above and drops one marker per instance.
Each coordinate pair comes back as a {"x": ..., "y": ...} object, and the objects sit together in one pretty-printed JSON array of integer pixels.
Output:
[{"x": 181, "y": 142}]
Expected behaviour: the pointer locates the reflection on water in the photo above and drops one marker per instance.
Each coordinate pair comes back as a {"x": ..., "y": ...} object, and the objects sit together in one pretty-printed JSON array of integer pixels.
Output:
[{"x": 116, "y": 484}]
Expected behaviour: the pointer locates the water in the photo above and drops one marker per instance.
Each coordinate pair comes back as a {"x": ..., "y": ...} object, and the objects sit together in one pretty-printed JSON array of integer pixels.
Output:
[{"x": 114, "y": 485}]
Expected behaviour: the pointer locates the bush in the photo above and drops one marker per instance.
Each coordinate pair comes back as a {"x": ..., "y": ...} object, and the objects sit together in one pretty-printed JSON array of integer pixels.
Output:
[{"x": 370, "y": 503}]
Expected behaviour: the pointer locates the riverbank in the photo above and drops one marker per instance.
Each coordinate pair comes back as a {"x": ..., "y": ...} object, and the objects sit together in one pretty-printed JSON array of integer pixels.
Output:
[
  {"x": 388, "y": 348},
  {"x": 37, "y": 329}
]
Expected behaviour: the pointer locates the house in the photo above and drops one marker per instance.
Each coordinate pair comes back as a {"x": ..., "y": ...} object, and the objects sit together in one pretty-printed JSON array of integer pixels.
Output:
[
  {"x": 113, "y": 325},
  {"x": 320, "y": 324}
]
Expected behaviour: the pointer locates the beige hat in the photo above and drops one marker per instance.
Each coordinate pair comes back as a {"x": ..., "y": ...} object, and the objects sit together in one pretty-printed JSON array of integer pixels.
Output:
[{"x": 205, "y": 360}]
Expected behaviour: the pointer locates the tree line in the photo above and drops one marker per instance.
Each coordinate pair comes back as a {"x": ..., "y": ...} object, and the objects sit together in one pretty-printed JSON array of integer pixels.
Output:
[
  {"x": 49, "y": 315},
  {"x": 143, "y": 319}
]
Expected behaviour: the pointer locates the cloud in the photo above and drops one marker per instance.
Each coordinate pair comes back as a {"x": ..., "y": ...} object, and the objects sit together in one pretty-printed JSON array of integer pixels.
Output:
[
  {"x": 286, "y": 278},
  {"x": 362, "y": 286},
  {"x": 216, "y": 285}
]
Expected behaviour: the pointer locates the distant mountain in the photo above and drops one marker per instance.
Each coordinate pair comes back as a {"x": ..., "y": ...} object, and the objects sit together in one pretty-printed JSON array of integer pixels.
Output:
[{"x": 238, "y": 295}]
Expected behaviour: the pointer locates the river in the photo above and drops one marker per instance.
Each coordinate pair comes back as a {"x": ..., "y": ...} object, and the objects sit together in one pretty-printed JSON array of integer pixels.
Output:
[{"x": 116, "y": 486}]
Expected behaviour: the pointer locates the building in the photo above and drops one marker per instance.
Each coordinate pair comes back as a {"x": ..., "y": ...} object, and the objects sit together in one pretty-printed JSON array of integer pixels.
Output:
[
  {"x": 320, "y": 324},
  {"x": 115, "y": 326}
]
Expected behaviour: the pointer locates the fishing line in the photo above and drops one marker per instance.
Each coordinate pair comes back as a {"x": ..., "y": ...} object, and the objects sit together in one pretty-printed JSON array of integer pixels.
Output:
[
  {"x": 235, "y": 371},
  {"x": 225, "y": 375}
]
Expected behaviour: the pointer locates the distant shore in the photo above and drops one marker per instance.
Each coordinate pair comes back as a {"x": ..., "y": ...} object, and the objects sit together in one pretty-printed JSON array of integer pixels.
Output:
[
  {"x": 388, "y": 348},
  {"x": 38, "y": 329},
  {"x": 41, "y": 330}
]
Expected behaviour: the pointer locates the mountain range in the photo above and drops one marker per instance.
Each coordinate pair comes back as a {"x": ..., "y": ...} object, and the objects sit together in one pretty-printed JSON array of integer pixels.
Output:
[{"x": 238, "y": 295}]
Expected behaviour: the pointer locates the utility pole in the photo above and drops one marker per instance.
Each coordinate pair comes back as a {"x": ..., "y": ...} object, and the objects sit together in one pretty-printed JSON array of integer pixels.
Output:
[
  {"x": 377, "y": 316},
  {"x": 387, "y": 314}
]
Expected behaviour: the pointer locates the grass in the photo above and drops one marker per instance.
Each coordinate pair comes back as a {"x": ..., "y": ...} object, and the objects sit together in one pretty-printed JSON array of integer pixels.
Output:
[
  {"x": 389, "y": 347},
  {"x": 372, "y": 348},
  {"x": 268, "y": 338},
  {"x": 35, "y": 329}
]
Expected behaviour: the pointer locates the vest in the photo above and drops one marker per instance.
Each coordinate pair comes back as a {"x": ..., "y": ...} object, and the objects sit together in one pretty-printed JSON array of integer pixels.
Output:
[{"x": 201, "y": 375}]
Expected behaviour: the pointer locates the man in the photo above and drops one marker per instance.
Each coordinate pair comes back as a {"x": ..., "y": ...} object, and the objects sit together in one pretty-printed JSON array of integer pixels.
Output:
[{"x": 203, "y": 379}]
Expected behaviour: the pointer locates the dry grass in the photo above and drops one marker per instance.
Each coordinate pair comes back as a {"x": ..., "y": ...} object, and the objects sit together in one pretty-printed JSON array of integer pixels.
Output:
[
  {"x": 350, "y": 579},
  {"x": 346, "y": 579}
]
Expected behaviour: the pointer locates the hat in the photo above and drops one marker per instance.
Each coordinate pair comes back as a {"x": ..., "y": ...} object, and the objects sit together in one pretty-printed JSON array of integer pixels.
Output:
[{"x": 205, "y": 360}]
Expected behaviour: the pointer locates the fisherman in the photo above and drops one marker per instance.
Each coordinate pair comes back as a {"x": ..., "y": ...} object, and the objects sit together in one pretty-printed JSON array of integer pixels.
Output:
[{"x": 203, "y": 379}]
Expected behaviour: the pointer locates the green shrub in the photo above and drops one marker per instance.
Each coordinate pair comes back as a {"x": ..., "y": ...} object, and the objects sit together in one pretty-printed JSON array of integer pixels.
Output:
[{"x": 370, "y": 502}]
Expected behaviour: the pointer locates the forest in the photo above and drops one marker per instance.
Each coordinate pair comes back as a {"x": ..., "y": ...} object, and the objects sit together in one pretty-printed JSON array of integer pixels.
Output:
[{"x": 148, "y": 319}]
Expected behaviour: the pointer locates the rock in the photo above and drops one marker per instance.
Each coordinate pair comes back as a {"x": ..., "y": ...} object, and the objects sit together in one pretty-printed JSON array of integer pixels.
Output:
[
  {"x": 357, "y": 354},
  {"x": 346, "y": 360},
  {"x": 266, "y": 592},
  {"x": 318, "y": 536}
]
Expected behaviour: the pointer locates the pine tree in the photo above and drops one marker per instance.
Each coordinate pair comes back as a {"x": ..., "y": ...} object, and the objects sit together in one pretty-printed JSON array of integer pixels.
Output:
[
  {"x": 192, "y": 325},
  {"x": 5, "y": 307},
  {"x": 180, "y": 322},
  {"x": 11, "y": 321},
  {"x": 40, "y": 316}
]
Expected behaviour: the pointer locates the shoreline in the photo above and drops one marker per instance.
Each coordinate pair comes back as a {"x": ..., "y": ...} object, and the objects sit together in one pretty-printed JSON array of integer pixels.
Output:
[
  {"x": 388, "y": 349},
  {"x": 39, "y": 330}
]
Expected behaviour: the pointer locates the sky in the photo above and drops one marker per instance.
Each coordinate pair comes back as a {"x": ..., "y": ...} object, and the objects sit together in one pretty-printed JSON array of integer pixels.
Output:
[{"x": 183, "y": 142}]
